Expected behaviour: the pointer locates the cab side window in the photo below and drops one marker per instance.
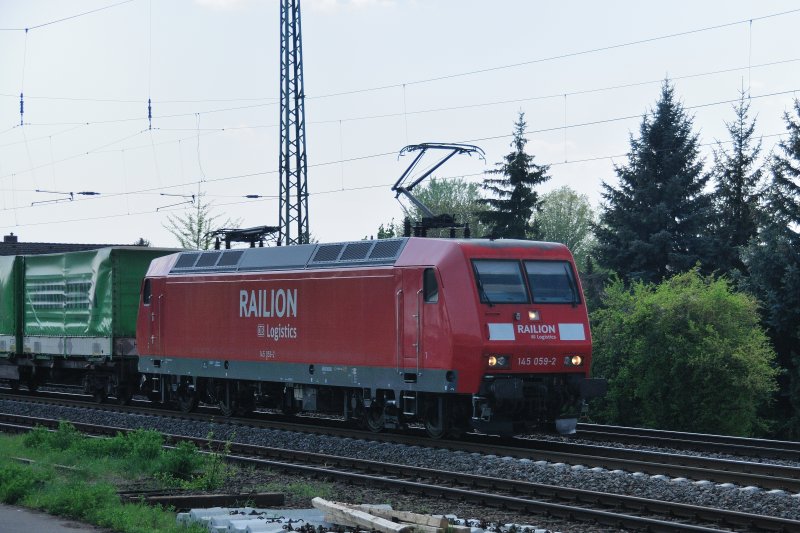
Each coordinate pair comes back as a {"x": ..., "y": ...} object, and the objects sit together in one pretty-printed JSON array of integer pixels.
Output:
[
  {"x": 147, "y": 292},
  {"x": 430, "y": 287}
]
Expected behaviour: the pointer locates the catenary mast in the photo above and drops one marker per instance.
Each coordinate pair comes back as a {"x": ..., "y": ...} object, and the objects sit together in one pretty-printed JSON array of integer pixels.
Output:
[{"x": 293, "y": 165}]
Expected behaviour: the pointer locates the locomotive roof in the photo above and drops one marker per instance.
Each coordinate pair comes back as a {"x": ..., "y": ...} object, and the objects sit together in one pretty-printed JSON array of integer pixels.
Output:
[
  {"x": 380, "y": 252},
  {"x": 298, "y": 257}
]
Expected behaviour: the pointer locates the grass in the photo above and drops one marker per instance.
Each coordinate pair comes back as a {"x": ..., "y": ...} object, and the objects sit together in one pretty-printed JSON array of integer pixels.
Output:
[{"x": 77, "y": 477}]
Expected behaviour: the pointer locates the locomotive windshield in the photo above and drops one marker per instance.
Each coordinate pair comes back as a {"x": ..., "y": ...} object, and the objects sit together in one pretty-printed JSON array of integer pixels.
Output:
[
  {"x": 502, "y": 281},
  {"x": 551, "y": 282}
]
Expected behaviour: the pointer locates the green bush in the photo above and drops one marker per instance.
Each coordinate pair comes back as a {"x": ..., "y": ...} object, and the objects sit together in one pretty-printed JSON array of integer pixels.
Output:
[
  {"x": 17, "y": 481},
  {"x": 62, "y": 439},
  {"x": 76, "y": 499},
  {"x": 145, "y": 445},
  {"x": 687, "y": 354},
  {"x": 182, "y": 462},
  {"x": 38, "y": 437}
]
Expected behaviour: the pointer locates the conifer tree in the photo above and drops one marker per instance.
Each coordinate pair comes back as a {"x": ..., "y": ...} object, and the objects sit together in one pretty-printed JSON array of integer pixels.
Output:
[
  {"x": 513, "y": 202},
  {"x": 774, "y": 266},
  {"x": 737, "y": 195},
  {"x": 654, "y": 223}
]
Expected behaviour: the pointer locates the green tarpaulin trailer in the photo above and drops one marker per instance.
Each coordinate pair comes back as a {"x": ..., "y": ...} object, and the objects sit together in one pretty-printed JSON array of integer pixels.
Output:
[
  {"x": 10, "y": 320},
  {"x": 72, "y": 313},
  {"x": 83, "y": 304}
]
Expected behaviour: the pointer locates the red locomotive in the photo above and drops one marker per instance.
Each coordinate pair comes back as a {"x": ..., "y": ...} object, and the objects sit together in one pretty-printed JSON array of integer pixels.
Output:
[{"x": 491, "y": 335}]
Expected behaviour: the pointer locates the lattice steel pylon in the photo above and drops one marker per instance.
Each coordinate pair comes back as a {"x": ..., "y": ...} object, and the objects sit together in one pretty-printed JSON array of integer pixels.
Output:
[{"x": 293, "y": 166}]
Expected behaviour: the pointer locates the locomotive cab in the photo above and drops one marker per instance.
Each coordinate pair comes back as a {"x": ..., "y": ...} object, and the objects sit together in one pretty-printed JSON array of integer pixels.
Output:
[{"x": 536, "y": 346}]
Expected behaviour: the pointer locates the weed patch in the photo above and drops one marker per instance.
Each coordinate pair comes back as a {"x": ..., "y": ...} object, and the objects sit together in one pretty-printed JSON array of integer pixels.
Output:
[{"x": 86, "y": 493}]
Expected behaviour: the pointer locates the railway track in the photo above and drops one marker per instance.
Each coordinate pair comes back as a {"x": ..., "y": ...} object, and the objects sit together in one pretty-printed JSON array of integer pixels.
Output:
[
  {"x": 772, "y": 449},
  {"x": 611, "y": 510},
  {"x": 694, "y": 467}
]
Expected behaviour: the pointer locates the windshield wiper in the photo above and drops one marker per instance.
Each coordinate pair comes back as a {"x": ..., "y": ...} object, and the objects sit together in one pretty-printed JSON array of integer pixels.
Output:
[
  {"x": 572, "y": 288},
  {"x": 482, "y": 292}
]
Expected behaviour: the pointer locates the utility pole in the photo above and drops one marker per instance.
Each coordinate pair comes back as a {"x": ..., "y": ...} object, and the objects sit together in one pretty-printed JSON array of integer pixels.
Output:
[{"x": 293, "y": 166}]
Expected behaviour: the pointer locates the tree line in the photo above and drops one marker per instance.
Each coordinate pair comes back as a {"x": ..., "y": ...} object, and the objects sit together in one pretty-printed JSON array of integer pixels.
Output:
[{"x": 691, "y": 275}]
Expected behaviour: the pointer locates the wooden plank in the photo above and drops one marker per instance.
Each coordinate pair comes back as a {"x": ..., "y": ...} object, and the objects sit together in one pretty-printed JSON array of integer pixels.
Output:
[
  {"x": 339, "y": 521},
  {"x": 193, "y": 501},
  {"x": 435, "y": 521},
  {"x": 339, "y": 511}
]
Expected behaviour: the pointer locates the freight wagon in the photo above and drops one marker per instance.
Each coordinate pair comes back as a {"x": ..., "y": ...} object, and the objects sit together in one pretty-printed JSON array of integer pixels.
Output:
[{"x": 71, "y": 318}]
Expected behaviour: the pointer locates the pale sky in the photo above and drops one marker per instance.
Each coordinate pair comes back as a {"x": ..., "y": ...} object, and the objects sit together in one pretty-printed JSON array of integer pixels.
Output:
[{"x": 413, "y": 71}]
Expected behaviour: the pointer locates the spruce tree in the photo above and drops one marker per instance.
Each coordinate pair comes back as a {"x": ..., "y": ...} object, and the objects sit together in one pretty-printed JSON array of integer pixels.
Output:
[
  {"x": 773, "y": 262},
  {"x": 737, "y": 196},
  {"x": 654, "y": 223},
  {"x": 513, "y": 201}
]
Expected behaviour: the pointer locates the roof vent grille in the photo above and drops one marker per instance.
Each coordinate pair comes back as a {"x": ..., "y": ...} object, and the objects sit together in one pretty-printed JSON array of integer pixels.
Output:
[
  {"x": 327, "y": 253},
  {"x": 386, "y": 248},
  {"x": 356, "y": 251},
  {"x": 187, "y": 260}
]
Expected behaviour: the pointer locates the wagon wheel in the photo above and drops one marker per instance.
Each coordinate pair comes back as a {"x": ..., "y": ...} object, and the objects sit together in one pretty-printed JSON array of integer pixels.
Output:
[
  {"x": 374, "y": 417},
  {"x": 14, "y": 384},
  {"x": 32, "y": 384}
]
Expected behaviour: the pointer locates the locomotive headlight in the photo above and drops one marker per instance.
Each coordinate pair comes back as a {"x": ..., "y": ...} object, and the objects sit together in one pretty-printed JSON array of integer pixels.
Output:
[
  {"x": 533, "y": 315},
  {"x": 499, "y": 361},
  {"x": 573, "y": 360}
]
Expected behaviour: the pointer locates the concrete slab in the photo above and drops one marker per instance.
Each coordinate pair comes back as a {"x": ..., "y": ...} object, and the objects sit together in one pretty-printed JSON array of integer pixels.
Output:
[{"x": 21, "y": 520}]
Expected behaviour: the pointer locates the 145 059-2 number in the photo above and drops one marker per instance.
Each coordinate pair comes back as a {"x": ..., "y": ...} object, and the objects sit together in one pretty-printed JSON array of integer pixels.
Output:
[{"x": 536, "y": 361}]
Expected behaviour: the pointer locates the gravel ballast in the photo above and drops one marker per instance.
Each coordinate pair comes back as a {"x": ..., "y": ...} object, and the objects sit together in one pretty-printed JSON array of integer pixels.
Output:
[{"x": 693, "y": 492}]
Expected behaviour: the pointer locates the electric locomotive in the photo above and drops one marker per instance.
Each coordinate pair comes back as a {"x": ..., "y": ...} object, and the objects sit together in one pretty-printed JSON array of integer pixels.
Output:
[{"x": 452, "y": 334}]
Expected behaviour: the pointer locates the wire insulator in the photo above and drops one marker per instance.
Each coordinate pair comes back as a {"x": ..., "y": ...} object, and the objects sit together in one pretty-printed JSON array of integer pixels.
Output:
[
  {"x": 21, "y": 108},
  {"x": 149, "y": 115}
]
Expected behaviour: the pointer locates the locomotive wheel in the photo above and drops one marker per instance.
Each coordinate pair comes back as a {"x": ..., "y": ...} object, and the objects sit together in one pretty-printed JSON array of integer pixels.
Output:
[
  {"x": 228, "y": 409},
  {"x": 124, "y": 395},
  {"x": 187, "y": 400},
  {"x": 99, "y": 395},
  {"x": 246, "y": 404},
  {"x": 226, "y": 399},
  {"x": 374, "y": 417},
  {"x": 437, "y": 426}
]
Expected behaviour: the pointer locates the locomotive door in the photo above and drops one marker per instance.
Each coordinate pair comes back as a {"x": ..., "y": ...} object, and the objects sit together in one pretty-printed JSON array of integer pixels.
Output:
[
  {"x": 153, "y": 299},
  {"x": 419, "y": 319},
  {"x": 409, "y": 322}
]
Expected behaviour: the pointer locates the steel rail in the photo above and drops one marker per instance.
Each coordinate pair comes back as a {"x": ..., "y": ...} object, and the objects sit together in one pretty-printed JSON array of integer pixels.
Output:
[
  {"x": 764, "y": 475},
  {"x": 774, "y": 449},
  {"x": 518, "y": 494}
]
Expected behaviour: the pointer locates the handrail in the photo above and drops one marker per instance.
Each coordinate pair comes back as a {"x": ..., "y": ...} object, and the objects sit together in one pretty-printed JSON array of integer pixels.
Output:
[
  {"x": 398, "y": 324},
  {"x": 419, "y": 326}
]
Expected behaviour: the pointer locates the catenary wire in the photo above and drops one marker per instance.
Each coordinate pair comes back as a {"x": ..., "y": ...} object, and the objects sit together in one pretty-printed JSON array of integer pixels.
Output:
[
  {"x": 473, "y": 140},
  {"x": 42, "y": 25}
]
